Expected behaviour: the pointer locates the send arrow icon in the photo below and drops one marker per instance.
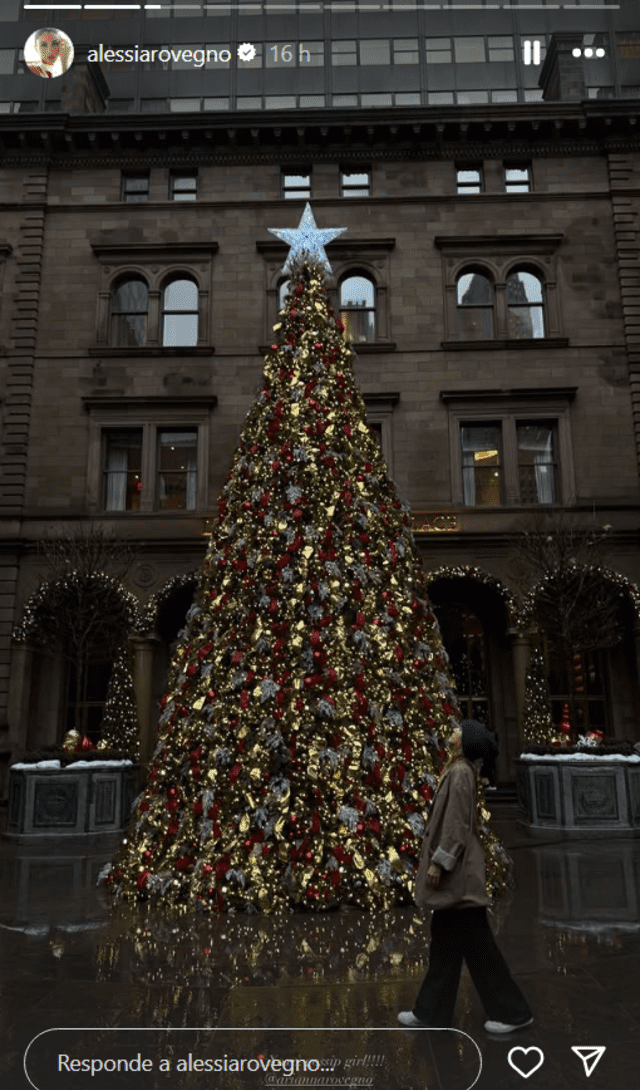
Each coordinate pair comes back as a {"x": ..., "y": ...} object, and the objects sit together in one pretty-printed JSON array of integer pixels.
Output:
[{"x": 590, "y": 1056}]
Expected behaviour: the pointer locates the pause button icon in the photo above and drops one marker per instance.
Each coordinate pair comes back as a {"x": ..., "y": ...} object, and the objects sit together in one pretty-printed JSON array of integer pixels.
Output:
[{"x": 531, "y": 51}]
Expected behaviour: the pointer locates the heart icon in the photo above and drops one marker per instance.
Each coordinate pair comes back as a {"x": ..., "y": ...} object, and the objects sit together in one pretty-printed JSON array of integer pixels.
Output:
[{"x": 525, "y": 1052}]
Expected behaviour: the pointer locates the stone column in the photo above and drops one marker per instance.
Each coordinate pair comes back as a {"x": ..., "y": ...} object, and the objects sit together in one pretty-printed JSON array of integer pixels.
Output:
[
  {"x": 521, "y": 651},
  {"x": 143, "y": 684},
  {"x": 19, "y": 694}
]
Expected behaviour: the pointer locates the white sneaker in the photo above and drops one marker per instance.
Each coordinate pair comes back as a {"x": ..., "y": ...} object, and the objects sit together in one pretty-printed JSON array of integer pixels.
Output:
[
  {"x": 408, "y": 1018},
  {"x": 504, "y": 1027}
]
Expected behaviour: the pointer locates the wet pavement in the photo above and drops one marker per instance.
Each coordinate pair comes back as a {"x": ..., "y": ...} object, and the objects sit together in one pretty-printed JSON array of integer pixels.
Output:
[{"x": 312, "y": 999}]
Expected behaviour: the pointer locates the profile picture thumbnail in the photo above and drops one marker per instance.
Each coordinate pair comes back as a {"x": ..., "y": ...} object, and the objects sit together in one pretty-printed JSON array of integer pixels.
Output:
[{"x": 48, "y": 52}]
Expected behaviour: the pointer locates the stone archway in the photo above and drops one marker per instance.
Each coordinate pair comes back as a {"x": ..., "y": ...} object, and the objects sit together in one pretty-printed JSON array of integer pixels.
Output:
[{"x": 477, "y": 614}]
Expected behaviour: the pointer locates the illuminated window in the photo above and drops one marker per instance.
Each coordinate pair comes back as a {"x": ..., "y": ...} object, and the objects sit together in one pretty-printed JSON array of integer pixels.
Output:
[
  {"x": 129, "y": 309},
  {"x": 358, "y": 307},
  {"x": 122, "y": 473},
  {"x": 474, "y": 293},
  {"x": 177, "y": 470},
  {"x": 180, "y": 313},
  {"x": 183, "y": 185},
  {"x": 481, "y": 464},
  {"x": 525, "y": 301},
  {"x": 135, "y": 187}
]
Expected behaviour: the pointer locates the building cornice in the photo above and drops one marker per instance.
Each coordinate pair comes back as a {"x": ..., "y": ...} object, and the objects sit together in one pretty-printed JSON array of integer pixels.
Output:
[{"x": 485, "y": 131}]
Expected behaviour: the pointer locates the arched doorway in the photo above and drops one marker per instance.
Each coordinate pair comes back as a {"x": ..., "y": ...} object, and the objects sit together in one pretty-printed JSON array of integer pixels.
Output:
[{"x": 475, "y": 623}]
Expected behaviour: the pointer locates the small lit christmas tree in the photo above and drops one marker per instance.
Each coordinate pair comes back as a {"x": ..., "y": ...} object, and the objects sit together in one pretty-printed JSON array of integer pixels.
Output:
[
  {"x": 299, "y": 738},
  {"x": 538, "y": 723},
  {"x": 120, "y": 728}
]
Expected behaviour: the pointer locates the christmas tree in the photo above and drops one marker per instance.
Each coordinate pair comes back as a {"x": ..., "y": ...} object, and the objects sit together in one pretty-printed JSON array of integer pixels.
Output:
[
  {"x": 538, "y": 723},
  {"x": 299, "y": 739},
  {"x": 120, "y": 728}
]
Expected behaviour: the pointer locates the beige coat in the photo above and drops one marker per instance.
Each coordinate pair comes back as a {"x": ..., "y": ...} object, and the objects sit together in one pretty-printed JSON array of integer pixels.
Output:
[{"x": 452, "y": 841}]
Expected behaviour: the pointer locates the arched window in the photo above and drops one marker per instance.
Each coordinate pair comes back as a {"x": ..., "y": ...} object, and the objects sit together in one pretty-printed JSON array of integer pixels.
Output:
[
  {"x": 474, "y": 299},
  {"x": 180, "y": 305},
  {"x": 129, "y": 307},
  {"x": 358, "y": 307},
  {"x": 525, "y": 301},
  {"x": 283, "y": 288}
]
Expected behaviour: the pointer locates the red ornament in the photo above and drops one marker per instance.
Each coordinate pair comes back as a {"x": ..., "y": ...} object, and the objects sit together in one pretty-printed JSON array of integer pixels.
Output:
[
  {"x": 565, "y": 724},
  {"x": 86, "y": 743},
  {"x": 143, "y": 878},
  {"x": 207, "y": 868}
]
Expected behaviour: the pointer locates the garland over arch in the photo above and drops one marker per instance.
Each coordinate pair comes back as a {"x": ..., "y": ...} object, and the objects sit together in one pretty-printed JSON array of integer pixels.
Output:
[
  {"x": 157, "y": 600},
  {"x": 30, "y": 629},
  {"x": 625, "y": 586},
  {"x": 469, "y": 571}
]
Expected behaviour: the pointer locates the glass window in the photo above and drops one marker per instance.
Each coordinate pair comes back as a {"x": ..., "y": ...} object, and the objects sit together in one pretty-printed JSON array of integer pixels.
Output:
[
  {"x": 183, "y": 185},
  {"x": 7, "y": 61},
  {"x": 377, "y": 99},
  {"x": 471, "y": 98},
  {"x": 475, "y": 307},
  {"x": 296, "y": 186},
  {"x": 469, "y": 179},
  {"x": 526, "y": 305},
  {"x": 122, "y": 472},
  {"x": 481, "y": 464},
  {"x": 344, "y": 52},
  {"x": 501, "y": 49},
  {"x": 177, "y": 470},
  {"x": 129, "y": 307},
  {"x": 375, "y": 51},
  {"x": 356, "y": 184},
  {"x": 406, "y": 51},
  {"x": 280, "y": 102},
  {"x": 469, "y": 50},
  {"x": 537, "y": 462},
  {"x": 358, "y": 308},
  {"x": 440, "y": 98},
  {"x": 283, "y": 288},
  {"x": 517, "y": 179},
  {"x": 184, "y": 105},
  {"x": 135, "y": 187},
  {"x": 180, "y": 314},
  {"x": 216, "y": 104},
  {"x": 438, "y": 50}
]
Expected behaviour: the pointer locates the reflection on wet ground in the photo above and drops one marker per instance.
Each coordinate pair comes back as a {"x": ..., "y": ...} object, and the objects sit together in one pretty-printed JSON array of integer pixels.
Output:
[{"x": 570, "y": 933}]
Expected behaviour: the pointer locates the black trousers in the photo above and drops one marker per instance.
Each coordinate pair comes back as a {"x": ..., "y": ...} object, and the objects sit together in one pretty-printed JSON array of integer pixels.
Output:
[{"x": 464, "y": 934}]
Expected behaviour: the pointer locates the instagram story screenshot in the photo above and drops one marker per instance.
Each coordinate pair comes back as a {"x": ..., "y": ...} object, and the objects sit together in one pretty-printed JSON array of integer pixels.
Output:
[{"x": 319, "y": 545}]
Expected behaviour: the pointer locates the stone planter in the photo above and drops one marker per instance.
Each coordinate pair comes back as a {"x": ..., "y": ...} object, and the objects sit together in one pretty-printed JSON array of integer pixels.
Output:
[
  {"x": 579, "y": 795},
  {"x": 84, "y": 798}
]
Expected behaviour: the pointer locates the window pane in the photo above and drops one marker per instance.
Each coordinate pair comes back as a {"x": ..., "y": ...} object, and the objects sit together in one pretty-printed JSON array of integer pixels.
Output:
[
  {"x": 131, "y": 297},
  {"x": 177, "y": 470},
  {"x": 180, "y": 330},
  {"x": 474, "y": 289},
  {"x": 283, "y": 288},
  {"x": 184, "y": 187},
  {"x": 469, "y": 50},
  {"x": 122, "y": 470},
  {"x": 375, "y": 51},
  {"x": 481, "y": 460},
  {"x": 357, "y": 291},
  {"x": 536, "y": 462},
  {"x": 181, "y": 295},
  {"x": 359, "y": 325},
  {"x": 524, "y": 287}
]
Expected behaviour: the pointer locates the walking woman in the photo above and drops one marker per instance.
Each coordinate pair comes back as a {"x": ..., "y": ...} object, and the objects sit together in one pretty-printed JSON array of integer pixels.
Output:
[{"x": 451, "y": 881}]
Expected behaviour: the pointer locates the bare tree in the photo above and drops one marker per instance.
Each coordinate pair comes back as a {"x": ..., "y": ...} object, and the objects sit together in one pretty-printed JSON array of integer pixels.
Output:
[
  {"x": 82, "y": 605},
  {"x": 560, "y": 565}
]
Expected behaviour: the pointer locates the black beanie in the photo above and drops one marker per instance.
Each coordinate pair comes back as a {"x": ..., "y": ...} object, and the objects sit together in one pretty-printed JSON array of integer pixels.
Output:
[{"x": 477, "y": 741}]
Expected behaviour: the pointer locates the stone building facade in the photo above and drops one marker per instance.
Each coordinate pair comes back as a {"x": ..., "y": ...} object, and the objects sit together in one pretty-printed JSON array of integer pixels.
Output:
[{"x": 490, "y": 276}]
